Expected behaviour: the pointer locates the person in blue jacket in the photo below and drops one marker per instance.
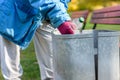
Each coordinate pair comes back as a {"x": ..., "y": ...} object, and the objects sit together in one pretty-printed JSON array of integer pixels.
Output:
[{"x": 20, "y": 20}]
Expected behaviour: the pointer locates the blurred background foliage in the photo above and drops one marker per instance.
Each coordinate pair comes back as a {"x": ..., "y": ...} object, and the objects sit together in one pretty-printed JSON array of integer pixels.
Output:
[{"x": 76, "y": 5}]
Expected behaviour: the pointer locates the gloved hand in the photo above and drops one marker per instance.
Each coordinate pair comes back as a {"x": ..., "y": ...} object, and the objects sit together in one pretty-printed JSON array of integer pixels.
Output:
[{"x": 67, "y": 28}]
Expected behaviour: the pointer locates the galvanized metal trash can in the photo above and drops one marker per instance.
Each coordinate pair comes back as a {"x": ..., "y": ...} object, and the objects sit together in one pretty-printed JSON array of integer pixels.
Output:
[
  {"x": 73, "y": 57},
  {"x": 106, "y": 49},
  {"x": 108, "y": 55},
  {"x": 92, "y": 55}
]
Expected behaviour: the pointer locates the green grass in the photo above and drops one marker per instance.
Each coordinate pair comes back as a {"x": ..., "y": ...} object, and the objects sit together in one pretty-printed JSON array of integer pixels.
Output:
[{"x": 29, "y": 64}]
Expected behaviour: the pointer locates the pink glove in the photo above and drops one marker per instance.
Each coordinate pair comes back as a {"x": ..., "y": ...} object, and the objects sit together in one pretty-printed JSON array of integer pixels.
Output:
[{"x": 67, "y": 28}]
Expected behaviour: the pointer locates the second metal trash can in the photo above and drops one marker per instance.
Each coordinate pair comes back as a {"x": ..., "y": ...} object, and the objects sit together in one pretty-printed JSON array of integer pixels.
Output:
[
  {"x": 106, "y": 49},
  {"x": 108, "y": 55}
]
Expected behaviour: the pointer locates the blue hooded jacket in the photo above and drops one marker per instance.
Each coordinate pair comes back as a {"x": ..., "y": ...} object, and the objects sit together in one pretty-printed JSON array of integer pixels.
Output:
[{"x": 19, "y": 19}]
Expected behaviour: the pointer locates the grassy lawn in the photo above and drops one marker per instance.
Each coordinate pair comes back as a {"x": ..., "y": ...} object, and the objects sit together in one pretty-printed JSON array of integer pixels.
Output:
[{"x": 29, "y": 62}]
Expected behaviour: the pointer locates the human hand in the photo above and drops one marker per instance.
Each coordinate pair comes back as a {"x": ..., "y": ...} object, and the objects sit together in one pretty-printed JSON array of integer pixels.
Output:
[{"x": 67, "y": 28}]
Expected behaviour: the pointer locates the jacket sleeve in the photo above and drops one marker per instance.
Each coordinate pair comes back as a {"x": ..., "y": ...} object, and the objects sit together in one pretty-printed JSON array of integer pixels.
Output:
[
  {"x": 65, "y": 2},
  {"x": 54, "y": 10}
]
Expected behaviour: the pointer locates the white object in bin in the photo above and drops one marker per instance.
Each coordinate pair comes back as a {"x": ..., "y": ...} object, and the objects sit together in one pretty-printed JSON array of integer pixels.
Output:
[{"x": 77, "y": 23}]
